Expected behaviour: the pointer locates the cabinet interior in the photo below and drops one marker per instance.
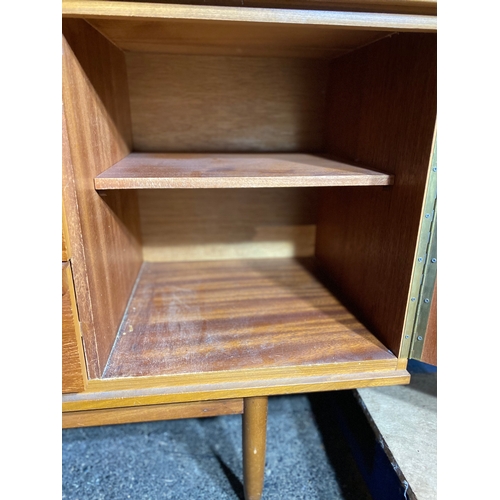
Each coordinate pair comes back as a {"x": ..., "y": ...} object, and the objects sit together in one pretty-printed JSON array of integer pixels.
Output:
[{"x": 249, "y": 194}]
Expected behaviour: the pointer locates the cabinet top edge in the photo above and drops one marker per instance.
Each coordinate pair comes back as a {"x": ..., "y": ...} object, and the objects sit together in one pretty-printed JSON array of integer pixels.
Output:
[{"x": 100, "y": 9}]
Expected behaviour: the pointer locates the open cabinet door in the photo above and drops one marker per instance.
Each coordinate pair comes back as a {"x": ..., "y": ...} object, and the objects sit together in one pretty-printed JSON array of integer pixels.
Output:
[
  {"x": 429, "y": 350},
  {"x": 421, "y": 325}
]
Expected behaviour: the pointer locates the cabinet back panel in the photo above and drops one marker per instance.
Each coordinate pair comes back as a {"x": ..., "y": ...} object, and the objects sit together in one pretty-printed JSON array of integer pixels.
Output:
[
  {"x": 208, "y": 224},
  {"x": 382, "y": 113},
  {"x": 189, "y": 103}
]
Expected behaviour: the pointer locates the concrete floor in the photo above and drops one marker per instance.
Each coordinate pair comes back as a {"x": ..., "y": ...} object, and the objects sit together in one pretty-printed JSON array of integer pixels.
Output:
[
  {"x": 370, "y": 444},
  {"x": 201, "y": 458},
  {"x": 405, "y": 420}
]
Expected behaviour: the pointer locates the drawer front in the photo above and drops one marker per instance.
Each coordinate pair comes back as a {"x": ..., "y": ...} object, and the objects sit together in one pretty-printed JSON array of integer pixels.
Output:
[{"x": 73, "y": 366}]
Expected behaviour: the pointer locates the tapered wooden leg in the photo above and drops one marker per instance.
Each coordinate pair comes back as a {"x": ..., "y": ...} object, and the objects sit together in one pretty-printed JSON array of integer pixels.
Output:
[{"x": 254, "y": 446}]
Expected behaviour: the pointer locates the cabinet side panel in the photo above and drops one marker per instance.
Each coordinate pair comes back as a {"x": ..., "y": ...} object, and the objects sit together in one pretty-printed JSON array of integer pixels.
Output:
[
  {"x": 382, "y": 113},
  {"x": 104, "y": 231}
]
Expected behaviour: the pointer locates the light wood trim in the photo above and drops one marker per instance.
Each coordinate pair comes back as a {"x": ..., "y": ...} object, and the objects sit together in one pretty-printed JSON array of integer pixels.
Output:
[
  {"x": 402, "y": 364},
  {"x": 164, "y": 171},
  {"x": 426, "y": 7},
  {"x": 74, "y": 376},
  {"x": 254, "y": 446},
  {"x": 234, "y": 389},
  {"x": 151, "y": 413},
  {"x": 255, "y": 375},
  {"x": 362, "y": 20},
  {"x": 66, "y": 249}
]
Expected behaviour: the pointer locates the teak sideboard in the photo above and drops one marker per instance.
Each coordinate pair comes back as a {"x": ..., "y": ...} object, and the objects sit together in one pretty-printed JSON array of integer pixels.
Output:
[{"x": 247, "y": 206}]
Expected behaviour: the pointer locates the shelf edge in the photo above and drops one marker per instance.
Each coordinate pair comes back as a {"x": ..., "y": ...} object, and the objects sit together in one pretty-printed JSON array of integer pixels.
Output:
[
  {"x": 241, "y": 182},
  {"x": 99, "y": 9},
  {"x": 230, "y": 390}
]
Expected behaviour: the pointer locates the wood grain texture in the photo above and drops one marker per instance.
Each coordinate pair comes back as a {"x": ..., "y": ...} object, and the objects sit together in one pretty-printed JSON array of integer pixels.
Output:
[
  {"x": 71, "y": 230},
  {"x": 402, "y": 363},
  {"x": 167, "y": 171},
  {"x": 226, "y": 104},
  {"x": 134, "y": 10},
  {"x": 254, "y": 446},
  {"x": 213, "y": 316},
  {"x": 74, "y": 378},
  {"x": 233, "y": 39},
  {"x": 150, "y": 413},
  {"x": 383, "y": 114},
  {"x": 215, "y": 224},
  {"x": 66, "y": 250},
  {"x": 104, "y": 234},
  {"x": 426, "y": 7},
  {"x": 250, "y": 376},
  {"x": 203, "y": 388},
  {"x": 429, "y": 352}
]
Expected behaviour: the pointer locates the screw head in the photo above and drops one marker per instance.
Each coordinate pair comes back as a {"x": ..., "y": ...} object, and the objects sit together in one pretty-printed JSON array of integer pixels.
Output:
[
  {"x": 427, "y": 216},
  {"x": 426, "y": 301},
  {"x": 420, "y": 259},
  {"x": 413, "y": 299},
  {"x": 419, "y": 337},
  {"x": 434, "y": 260},
  {"x": 407, "y": 336}
]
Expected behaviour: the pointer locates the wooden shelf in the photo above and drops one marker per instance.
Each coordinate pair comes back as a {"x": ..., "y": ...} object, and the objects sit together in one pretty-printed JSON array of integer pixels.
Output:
[
  {"x": 162, "y": 170},
  {"x": 139, "y": 11},
  {"x": 240, "y": 316}
]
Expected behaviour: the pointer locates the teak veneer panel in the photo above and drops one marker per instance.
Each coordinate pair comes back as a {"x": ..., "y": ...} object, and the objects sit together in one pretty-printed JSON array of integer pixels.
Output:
[
  {"x": 193, "y": 103},
  {"x": 150, "y": 413},
  {"x": 74, "y": 378},
  {"x": 383, "y": 114},
  {"x": 203, "y": 317},
  {"x": 135, "y": 391},
  {"x": 217, "y": 224},
  {"x": 106, "y": 253},
  {"x": 162, "y": 170}
]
